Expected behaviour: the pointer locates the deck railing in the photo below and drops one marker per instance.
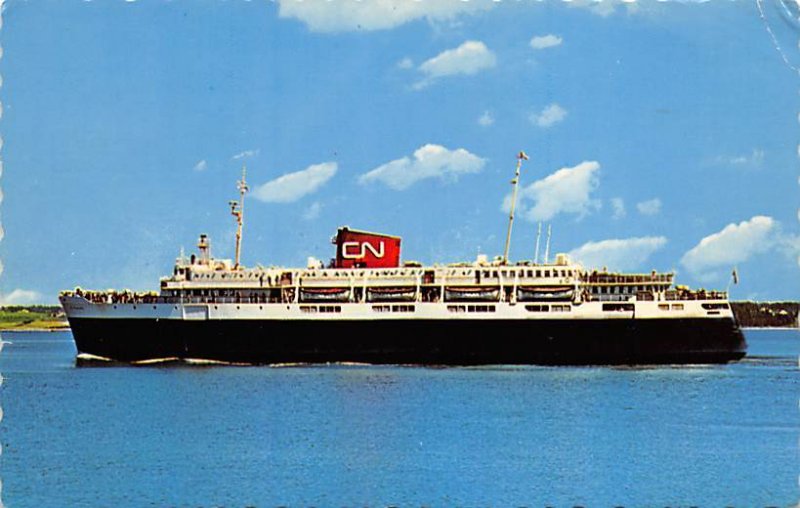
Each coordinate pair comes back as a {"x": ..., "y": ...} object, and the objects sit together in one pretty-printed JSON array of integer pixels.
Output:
[{"x": 136, "y": 298}]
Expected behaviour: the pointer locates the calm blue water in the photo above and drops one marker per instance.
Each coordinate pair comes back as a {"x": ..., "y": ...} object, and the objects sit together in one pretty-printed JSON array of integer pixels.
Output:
[{"x": 374, "y": 436}]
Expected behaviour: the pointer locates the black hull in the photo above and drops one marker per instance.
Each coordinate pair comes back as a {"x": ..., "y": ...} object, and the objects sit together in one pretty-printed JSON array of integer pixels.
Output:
[{"x": 423, "y": 342}]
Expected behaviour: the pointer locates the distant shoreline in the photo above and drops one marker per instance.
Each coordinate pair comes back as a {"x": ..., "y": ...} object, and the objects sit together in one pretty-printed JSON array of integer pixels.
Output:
[
  {"x": 32, "y": 318},
  {"x": 770, "y": 328},
  {"x": 27, "y": 330}
]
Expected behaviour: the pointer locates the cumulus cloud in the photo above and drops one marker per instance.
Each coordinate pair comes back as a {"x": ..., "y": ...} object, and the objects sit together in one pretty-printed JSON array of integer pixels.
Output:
[
  {"x": 545, "y": 41},
  {"x": 649, "y": 207},
  {"x": 201, "y": 166},
  {"x": 347, "y": 15},
  {"x": 246, "y": 154},
  {"x": 550, "y": 115},
  {"x": 568, "y": 190},
  {"x": 469, "y": 58},
  {"x": 618, "y": 254},
  {"x": 618, "y": 205},
  {"x": 734, "y": 244},
  {"x": 428, "y": 161},
  {"x": 21, "y": 297},
  {"x": 293, "y": 186},
  {"x": 486, "y": 119}
]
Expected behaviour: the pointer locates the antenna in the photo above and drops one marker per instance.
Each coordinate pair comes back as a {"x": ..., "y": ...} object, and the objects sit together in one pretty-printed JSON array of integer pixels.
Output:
[
  {"x": 547, "y": 248},
  {"x": 538, "y": 235},
  {"x": 237, "y": 210},
  {"x": 515, "y": 182}
]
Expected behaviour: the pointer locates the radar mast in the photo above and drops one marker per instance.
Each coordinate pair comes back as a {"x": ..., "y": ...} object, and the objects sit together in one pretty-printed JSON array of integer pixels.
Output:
[{"x": 515, "y": 182}]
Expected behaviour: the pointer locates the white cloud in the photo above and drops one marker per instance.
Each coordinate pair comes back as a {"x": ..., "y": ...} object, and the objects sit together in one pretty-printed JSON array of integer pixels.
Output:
[
  {"x": 486, "y": 119},
  {"x": 735, "y": 243},
  {"x": 405, "y": 63},
  {"x": 568, "y": 190},
  {"x": 545, "y": 41},
  {"x": 603, "y": 8},
  {"x": 201, "y": 166},
  {"x": 346, "y": 15},
  {"x": 246, "y": 154},
  {"x": 619, "y": 208},
  {"x": 754, "y": 159},
  {"x": 550, "y": 115},
  {"x": 429, "y": 161},
  {"x": 618, "y": 254},
  {"x": 313, "y": 211},
  {"x": 468, "y": 59},
  {"x": 649, "y": 207},
  {"x": 293, "y": 186},
  {"x": 21, "y": 297}
]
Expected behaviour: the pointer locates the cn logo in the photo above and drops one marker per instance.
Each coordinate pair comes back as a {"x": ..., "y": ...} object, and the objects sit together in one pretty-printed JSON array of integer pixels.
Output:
[{"x": 357, "y": 250}]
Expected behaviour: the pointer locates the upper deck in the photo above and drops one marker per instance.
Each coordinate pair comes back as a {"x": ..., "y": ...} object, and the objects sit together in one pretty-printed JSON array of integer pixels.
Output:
[{"x": 213, "y": 281}]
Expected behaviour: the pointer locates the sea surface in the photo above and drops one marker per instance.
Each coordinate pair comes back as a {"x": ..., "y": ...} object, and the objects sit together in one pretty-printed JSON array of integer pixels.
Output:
[{"x": 354, "y": 436}]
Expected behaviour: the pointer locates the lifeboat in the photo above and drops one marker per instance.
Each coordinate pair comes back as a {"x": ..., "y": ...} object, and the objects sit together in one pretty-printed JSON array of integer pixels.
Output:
[
  {"x": 544, "y": 293},
  {"x": 472, "y": 294},
  {"x": 308, "y": 295},
  {"x": 391, "y": 294}
]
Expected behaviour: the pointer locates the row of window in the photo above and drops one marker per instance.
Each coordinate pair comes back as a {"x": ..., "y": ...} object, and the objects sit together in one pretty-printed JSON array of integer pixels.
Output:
[
  {"x": 393, "y": 308},
  {"x": 618, "y": 307},
  {"x": 714, "y": 306},
  {"x": 616, "y": 290},
  {"x": 528, "y": 273},
  {"x": 548, "y": 308},
  {"x": 667, "y": 306},
  {"x": 471, "y": 308},
  {"x": 322, "y": 309}
]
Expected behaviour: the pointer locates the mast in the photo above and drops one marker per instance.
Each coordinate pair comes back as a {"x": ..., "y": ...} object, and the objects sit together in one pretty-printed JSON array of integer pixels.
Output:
[
  {"x": 515, "y": 183},
  {"x": 547, "y": 245},
  {"x": 538, "y": 235},
  {"x": 237, "y": 210}
]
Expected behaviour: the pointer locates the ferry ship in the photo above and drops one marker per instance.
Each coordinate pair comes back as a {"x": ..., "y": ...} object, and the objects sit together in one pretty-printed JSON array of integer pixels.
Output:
[{"x": 367, "y": 306}]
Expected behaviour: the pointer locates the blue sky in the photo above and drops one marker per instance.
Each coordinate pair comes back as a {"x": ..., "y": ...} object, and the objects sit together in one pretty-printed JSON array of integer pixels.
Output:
[{"x": 661, "y": 135}]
